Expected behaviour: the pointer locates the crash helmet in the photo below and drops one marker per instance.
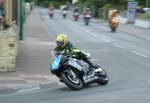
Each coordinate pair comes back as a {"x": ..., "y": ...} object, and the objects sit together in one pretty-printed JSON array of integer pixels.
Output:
[
  {"x": 76, "y": 9},
  {"x": 87, "y": 9},
  {"x": 61, "y": 40},
  {"x": 115, "y": 11}
]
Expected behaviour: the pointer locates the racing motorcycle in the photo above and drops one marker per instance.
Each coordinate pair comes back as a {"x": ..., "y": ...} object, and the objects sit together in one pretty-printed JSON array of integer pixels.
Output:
[
  {"x": 76, "y": 16},
  {"x": 114, "y": 24},
  {"x": 64, "y": 14},
  {"x": 87, "y": 18},
  {"x": 51, "y": 13},
  {"x": 76, "y": 73}
]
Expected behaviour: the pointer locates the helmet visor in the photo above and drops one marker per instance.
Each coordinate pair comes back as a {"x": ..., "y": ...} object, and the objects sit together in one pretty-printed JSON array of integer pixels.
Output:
[{"x": 59, "y": 43}]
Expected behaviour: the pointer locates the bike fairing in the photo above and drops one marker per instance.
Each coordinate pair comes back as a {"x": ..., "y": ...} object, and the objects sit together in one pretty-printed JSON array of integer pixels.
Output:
[
  {"x": 72, "y": 65},
  {"x": 58, "y": 59},
  {"x": 55, "y": 66},
  {"x": 56, "y": 62},
  {"x": 60, "y": 67}
]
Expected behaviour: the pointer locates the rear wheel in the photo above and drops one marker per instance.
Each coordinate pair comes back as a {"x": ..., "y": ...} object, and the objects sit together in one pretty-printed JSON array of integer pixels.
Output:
[
  {"x": 87, "y": 23},
  {"x": 86, "y": 20},
  {"x": 64, "y": 16},
  {"x": 51, "y": 16},
  {"x": 72, "y": 80},
  {"x": 113, "y": 29}
]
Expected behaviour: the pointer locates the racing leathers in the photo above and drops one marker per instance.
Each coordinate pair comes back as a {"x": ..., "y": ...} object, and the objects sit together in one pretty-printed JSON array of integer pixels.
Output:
[{"x": 79, "y": 54}]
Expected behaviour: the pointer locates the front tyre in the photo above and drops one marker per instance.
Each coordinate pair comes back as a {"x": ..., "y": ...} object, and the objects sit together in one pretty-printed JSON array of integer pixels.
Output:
[
  {"x": 72, "y": 80},
  {"x": 103, "y": 81},
  {"x": 103, "y": 78}
]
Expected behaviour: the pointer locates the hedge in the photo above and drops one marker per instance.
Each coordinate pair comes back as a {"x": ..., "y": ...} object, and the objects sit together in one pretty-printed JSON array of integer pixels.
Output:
[
  {"x": 56, "y": 4},
  {"x": 145, "y": 16}
]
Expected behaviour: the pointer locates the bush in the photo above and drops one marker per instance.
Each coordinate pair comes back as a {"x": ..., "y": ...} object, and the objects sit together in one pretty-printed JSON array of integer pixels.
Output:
[
  {"x": 120, "y": 7},
  {"x": 56, "y": 4},
  {"x": 145, "y": 16},
  {"x": 105, "y": 10},
  {"x": 87, "y": 4},
  {"x": 45, "y": 3}
]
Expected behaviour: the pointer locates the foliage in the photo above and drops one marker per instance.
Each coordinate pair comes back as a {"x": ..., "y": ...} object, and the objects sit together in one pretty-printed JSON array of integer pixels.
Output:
[
  {"x": 145, "y": 16},
  {"x": 95, "y": 5},
  {"x": 56, "y": 4},
  {"x": 105, "y": 10},
  {"x": 28, "y": 0},
  {"x": 140, "y": 0}
]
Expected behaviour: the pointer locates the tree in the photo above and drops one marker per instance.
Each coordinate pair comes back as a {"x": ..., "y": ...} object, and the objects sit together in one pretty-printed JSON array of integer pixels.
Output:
[
  {"x": 28, "y": 0},
  {"x": 141, "y": 2}
]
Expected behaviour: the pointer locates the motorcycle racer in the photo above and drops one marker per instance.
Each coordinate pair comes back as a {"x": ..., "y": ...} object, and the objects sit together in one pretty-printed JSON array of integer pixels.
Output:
[{"x": 64, "y": 44}]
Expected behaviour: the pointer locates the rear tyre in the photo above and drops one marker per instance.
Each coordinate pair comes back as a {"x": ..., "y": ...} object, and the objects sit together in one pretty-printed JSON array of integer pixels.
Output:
[
  {"x": 51, "y": 16},
  {"x": 113, "y": 29},
  {"x": 87, "y": 23},
  {"x": 86, "y": 20},
  {"x": 75, "y": 18},
  {"x": 64, "y": 16},
  {"x": 73, "y": 82}
]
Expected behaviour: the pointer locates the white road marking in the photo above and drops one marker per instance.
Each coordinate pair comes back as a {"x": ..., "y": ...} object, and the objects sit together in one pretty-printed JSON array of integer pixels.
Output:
[
  {"x": 140, "y": 54},
  {"x": 46, "y": 17},
  {"x": 87, "y": 31},
  {"x": 11, "y": 78},
  {"x": 148, "y": 38},
  {"x": 39, "y": 43},
  {"x": 29, "y": 89},
  {"x": 60, "y": 83},
  {"x": 98, "y": 50},
  {"x": 70, "y": 23},
  {"x": 118, "y": 45},
  {"x": 82, "y": 28},
  {"x": 106, "y": 40},
  {"x": 30, "y": 39},
  {"x": 74, "y": 29},
  {"x": 95, "y": 35},
  {"x": 94, "y": 59},
  {"x": 48, "y": 77},
  {"x": 78, "y": 26},
  {"x": 148, "y": 81}
]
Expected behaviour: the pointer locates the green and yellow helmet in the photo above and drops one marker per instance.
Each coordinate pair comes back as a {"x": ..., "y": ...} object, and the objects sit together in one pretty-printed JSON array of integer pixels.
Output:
[{"x": 61, "y": 40}]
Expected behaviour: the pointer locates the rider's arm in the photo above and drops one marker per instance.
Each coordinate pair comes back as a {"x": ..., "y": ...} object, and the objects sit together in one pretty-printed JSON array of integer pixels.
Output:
[{"x": 75, "y": 50}]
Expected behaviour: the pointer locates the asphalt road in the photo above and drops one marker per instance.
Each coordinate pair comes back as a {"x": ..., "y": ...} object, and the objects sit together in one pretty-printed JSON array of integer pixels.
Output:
[{"x": 126, "y": 59}]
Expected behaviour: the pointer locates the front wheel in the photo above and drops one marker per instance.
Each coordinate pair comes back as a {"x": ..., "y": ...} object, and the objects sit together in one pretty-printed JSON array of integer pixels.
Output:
[
  {"x": 72, "y": 80},
  {"x": 103, "y": 78}
]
